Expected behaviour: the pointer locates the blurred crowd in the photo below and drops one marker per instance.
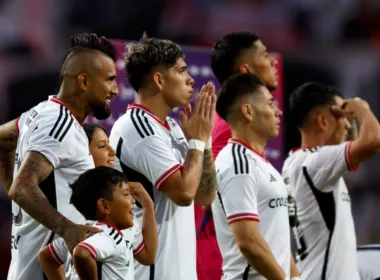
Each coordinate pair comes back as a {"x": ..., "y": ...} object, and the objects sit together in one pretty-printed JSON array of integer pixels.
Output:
[{"x": 330, "y": 41}]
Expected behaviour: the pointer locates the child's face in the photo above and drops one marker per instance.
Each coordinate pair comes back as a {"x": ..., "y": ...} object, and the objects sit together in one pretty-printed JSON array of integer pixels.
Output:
[{"x": 122, "y": 206}]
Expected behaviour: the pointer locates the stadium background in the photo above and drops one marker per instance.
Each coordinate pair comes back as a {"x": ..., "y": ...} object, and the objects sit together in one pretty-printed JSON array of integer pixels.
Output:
[{"x": 330, "y": 41}]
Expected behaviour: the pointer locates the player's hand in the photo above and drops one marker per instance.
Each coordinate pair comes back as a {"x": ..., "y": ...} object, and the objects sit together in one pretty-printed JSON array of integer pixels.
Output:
[
  {"x": 198, "y": 124},
  {"x": 77, "y": 233},
  {"x": 139, "y": 193},
  {"x": 351, "y": 108}
]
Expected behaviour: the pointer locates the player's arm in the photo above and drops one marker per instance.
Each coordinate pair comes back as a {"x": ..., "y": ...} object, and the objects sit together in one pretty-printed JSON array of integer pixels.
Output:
[
  {"x": 256, "y": 250},
  {"x": 25, "y": 191},
  {"x": 183, "y": 186},
  {"x": 293, "y": 268},
  {"x": 85, "y": 264},
  {"x": 50, "y": 266},
  {"x": 8, "y": 144},
  {"x": 207, "y": 187},
  {"x": 368, "y": 140},
  {"x": 145, "y": 251}
]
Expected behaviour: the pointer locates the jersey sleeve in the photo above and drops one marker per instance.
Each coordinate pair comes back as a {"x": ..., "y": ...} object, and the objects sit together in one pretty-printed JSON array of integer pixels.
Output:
[
  {"x": 100, "y": 246},
  {"x": 58, "y": 251},
  {"x": 155, "y": 160},
  {"x": 45, "y": 140},
  {"x": 138, "y": 241},
  {"x": 238, "y": 196},
  {"x": 327, "y": 164}
]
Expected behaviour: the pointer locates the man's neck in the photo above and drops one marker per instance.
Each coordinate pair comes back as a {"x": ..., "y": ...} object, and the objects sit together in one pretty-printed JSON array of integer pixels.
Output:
[
  {"x": 250, "y": 137},
  {"x": 312, "y": 140},
  {"x": 74, "y": 104},
  {"x": 156, "y": 105}
]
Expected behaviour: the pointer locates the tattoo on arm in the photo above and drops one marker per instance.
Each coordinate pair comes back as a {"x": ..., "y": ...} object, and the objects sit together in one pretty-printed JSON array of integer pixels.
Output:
[
  {"x": 25, "y": 191},
  {"x": 8, "y": 144},
  {"x": 208, "y": 179},
  {"x": 8, "y": 136}
]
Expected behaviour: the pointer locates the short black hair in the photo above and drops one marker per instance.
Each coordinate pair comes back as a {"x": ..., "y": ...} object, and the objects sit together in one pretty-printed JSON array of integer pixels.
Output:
[
  {"x": 309, "y": 96},
  {"x": 227, "y": 49},
  {"x": 92, "y": 185},
  {"x": 235, "y": 87},
  {"x": 147, "y": 54},
  {"x": 90, "y": 128}
]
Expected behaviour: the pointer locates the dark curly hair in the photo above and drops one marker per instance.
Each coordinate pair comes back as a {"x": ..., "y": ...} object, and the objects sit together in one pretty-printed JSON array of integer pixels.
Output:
[{"x": 147, "y": 54}]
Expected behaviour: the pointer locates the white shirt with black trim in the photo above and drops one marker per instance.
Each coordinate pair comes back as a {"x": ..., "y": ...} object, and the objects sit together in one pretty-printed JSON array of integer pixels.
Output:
[
  {"x": 51, "y": 130},
  {"x": 150, "y": 152},
  {"x": 109, "y": 248},
  {"x": 249, "y": 188},
  {"x": 325, "y": 232},
  {"x": 133, "y": 240},
  {"x": 369, "y": 261}
]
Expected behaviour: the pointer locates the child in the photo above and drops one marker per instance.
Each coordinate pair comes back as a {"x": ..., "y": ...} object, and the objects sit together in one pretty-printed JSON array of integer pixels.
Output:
[{"x": 103, "y": 196}]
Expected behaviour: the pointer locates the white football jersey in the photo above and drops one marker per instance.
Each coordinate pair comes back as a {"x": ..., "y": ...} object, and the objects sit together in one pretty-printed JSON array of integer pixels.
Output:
[
  {"x": 149, "y": 151},
  {"x": 109, "y": 248},
  {"x": 369, "y": 262},
  {"x": 249, "y": 188},
  {"x": 133, "y": 241},
  {"x": 50, "y": 129},
  {"x": 325, "y": 232}
]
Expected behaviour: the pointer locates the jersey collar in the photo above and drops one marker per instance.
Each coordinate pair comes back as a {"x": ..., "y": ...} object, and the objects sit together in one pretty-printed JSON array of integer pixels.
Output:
[
  {"x": 111, "y": 226},
  {"x": 237, "y": 141},
  {"x": 146, "y": 110},
  {"x": 58, "y": 101}
]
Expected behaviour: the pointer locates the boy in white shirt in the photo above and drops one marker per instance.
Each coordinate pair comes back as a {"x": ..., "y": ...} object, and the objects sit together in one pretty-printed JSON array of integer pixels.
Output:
[{"x": 103, "y": 196}]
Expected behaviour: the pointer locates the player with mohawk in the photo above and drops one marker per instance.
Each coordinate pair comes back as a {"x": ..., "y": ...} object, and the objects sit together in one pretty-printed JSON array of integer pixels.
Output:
[{"x": 52, "y": 150}]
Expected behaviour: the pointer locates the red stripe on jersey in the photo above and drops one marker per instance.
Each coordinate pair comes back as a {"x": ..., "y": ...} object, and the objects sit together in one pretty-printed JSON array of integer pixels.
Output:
[
  {"x": 139, "y": 248},
  {"x": 164, "y": 177},
  {"x": 89, "y": 248},
  {"x": 54, "y": 254},
  {"x": 112, "y": 226},
  {"x": 56, "y": 100},
  {"x": 17, "y": 130},
  {"x": 244, "y": 219},
  {"x": 347, "y": 157},
  {"x": 243, "y": 216},
  {"x": 146, "y": 109},
  {"x": 237, "y": 141}
]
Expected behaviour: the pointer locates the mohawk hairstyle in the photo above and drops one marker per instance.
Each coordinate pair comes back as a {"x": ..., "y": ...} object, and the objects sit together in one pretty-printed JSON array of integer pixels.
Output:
[
  {"x": 147, "y": 54},
  {"x": 92, "y": 41}
]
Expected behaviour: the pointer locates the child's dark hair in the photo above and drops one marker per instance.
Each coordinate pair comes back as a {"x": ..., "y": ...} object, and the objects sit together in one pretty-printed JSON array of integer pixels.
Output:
[
  {"x": 90, "y": 128},
  {"x": 92, "y": 185}
]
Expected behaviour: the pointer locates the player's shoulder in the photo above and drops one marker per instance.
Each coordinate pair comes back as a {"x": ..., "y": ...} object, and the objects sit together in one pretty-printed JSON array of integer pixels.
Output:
[
  {"x": 108, "y": 233},
  {"x": 235, "y": 159},
  {"x": 297, "y": 156},
  {"x": 138, "y": 124}
]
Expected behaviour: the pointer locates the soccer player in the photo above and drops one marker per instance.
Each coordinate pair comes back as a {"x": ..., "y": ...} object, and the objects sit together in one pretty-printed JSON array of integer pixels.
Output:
[
  {"x": 325, "y": 229},
  {"x": 52, "y": 151},
  {"x": 250, "y": 211},
  {"x": 100, "y": 148},
  {"x": 239, "y": 52},
  {"x": 176, "y": 167},
  {"x": 235, "y": 52},
  {"x": 105, "y": 199},
  {"x": 368, "y": 262}
]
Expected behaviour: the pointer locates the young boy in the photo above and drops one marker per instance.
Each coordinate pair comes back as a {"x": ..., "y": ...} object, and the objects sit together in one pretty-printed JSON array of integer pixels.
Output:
[{"x": 104, "y": 197}]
